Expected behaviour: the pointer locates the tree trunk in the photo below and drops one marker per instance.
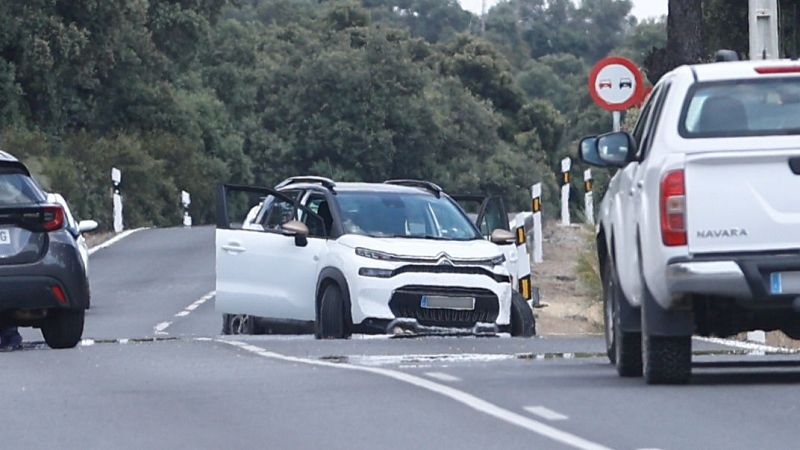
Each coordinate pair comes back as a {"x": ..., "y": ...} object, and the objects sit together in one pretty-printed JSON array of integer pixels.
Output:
[{"x": 685, "y": 40}]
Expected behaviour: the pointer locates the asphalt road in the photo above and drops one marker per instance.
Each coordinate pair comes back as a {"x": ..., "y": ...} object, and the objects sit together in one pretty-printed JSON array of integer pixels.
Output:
[{"x": 154, "y": 373}]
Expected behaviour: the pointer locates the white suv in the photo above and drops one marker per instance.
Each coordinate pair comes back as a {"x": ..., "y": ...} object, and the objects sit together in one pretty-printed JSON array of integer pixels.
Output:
[
  {"x": 699, "y": 231},
  {"x": 338, "y": 258}
]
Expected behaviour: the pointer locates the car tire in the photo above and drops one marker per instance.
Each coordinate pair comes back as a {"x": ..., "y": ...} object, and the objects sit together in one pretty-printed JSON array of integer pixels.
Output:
[
  {"x": 624, "y": 348},
  {"x": 63, "y": 328},
  {"x": 667, "y": 359},
  {"x": 239, "y": 324},
  {"x": 331, "y": 323},
  {"x": 523, "y": 323}
]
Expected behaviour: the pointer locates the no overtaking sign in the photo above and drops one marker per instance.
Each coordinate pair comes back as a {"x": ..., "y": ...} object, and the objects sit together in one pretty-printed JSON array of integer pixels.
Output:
[{"x": 616, "y": 84}]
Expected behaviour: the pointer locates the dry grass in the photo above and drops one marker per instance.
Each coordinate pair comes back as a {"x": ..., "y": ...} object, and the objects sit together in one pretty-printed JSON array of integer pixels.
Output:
[{"x": 587, "y": 269}]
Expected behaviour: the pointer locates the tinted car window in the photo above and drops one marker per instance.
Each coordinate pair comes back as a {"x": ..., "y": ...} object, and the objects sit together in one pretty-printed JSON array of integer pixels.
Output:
[{"x": 18, "y": 189}]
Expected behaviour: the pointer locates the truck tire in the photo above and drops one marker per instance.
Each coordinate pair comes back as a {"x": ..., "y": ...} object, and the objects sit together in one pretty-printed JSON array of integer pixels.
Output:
[
  {"x": 624, "y": 348},
  {"x": 667, "y": 359},
  {"x": 63, "y": 328},
  {"x": 523, "y": 323},
  {"x": 331, "y": 323}
]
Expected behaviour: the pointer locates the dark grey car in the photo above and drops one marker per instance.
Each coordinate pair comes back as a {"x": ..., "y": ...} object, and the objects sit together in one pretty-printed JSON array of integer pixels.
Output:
[{"x": 43, "y": 280}]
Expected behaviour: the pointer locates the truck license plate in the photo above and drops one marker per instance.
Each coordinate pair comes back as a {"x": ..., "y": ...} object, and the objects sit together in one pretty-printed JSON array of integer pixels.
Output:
[
  {"x": 784, "y": 282},
  {"x": 5, "y": 237},
  {"x": 443, "y": 302}
]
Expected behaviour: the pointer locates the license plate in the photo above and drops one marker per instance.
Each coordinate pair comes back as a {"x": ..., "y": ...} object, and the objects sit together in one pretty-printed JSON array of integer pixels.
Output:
[
  {"x": 5, "y": 237},
  {"x": 444, "y": 302},
  {"x": 784, "y": 282}
]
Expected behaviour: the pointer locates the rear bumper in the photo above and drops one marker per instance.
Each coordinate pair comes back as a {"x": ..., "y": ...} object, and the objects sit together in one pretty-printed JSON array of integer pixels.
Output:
[
  {"x": 30, "y": 292},
  {"x": 744, "y": 276}
]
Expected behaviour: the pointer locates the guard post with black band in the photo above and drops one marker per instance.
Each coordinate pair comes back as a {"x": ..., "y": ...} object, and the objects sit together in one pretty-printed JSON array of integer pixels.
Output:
[
  {"x": 523, "y": 258},
  {"x": 566, "y": 166},
  {"x": 116, "y": 181},
  {"x": 588, "y": 197},
  {"x": 536, "y": 207}
]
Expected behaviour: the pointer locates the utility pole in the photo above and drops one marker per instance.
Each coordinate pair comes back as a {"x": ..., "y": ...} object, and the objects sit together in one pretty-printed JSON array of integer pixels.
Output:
[
  {"x": 763, "y": 19},
  {"x": 483, "y": 17}
]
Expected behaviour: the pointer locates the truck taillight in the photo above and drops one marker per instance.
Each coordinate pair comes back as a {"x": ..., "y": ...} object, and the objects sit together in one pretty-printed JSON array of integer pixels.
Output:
[
  {"x": 673, "y": 209},
  {"x": 52, "y": 217}
]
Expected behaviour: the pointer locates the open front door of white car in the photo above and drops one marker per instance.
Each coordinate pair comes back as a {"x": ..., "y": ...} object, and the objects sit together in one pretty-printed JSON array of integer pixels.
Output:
[{"x": 263, "y": 269}]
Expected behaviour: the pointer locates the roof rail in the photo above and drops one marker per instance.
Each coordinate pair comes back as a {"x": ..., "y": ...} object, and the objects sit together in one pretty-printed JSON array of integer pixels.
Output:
[
  {"x": 325, "y": 182},
  {"x": 427, "y": 185}
]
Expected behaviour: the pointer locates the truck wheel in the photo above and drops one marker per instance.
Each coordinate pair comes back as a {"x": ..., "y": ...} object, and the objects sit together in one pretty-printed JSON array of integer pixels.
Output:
[
  {"x": 624, "y": 348},
  {"x": 331, "y": 322},
  {"x": 667, "y": 359},
  {"x": 63, "y": 328},
  {"x": 523, "y": 324}
]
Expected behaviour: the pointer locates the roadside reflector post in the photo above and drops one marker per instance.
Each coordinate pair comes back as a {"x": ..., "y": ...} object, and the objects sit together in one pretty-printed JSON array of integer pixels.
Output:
[
  {"x": 763, "y": 22},
  {"x": 536, "y": 203},
  {"x": 523, "y": 259},
  {"x": 116, "y": 181},
  {"x": 589, "y": 197},
  {"x": 566, "y": 166},
  {"x": 186, "y": 200}
]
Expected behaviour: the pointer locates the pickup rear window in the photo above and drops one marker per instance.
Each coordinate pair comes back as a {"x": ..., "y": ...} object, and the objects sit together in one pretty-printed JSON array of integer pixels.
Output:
[{"x": 765, "y": 107}]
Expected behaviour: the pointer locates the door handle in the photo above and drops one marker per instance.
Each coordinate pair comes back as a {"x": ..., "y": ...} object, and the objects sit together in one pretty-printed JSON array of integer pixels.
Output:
[{"x": 233, "y": 247}]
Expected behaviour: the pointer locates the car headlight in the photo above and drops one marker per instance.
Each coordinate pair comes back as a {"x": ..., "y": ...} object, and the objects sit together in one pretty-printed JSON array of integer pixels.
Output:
[
  {"x": 498, "y": 260},
  {"x": 374, "y": 254}
]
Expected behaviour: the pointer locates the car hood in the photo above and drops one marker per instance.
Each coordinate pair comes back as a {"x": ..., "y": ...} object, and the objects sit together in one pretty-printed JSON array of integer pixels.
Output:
[{"x": 426, "y": 248}]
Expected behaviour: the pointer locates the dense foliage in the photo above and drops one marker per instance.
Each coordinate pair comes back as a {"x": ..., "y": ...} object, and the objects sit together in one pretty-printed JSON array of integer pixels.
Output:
[{"x": 183, "y": 94}]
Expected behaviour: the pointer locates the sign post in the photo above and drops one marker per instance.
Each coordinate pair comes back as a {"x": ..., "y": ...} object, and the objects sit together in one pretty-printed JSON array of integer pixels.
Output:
[
  {"x": 116, "y": 179},
  {"x": 566, "y": 166},
  {"x": 536, "y": 204}
]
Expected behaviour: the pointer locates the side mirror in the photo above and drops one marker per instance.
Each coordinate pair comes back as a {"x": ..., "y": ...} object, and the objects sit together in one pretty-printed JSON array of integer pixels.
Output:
[
  {"x": 85, "y": 226},
  {"x": 502, "y": 237},
  {"x": 297, "y": 229},
  {"x": 615, "y": 149}
]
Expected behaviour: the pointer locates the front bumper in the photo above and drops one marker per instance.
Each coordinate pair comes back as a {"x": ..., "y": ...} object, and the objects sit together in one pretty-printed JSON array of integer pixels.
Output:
[
  {"x": 372, "y": 298},
  {"x": 744, "y": 277}
]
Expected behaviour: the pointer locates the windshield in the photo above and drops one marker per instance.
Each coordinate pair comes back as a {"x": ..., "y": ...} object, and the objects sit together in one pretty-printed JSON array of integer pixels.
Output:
[
  {"x": 743, "y": 108},
  {"x": 393, "y": 214}
]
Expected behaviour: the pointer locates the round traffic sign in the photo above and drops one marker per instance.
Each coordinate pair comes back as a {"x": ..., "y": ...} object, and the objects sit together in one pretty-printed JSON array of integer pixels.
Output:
[{"x": 616, "y": 84}]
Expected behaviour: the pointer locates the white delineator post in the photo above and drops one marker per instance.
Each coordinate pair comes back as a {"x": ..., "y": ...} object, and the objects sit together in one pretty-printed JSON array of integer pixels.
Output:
[
  {"x": 116, "y": 179},
  {"x": 524, "y": 260},
  {"x": 589, "y": 197},
  {"x": 536, "y": 207},
  {"x": 566, "y": 166},
  {"x": 186, "y": 200}
]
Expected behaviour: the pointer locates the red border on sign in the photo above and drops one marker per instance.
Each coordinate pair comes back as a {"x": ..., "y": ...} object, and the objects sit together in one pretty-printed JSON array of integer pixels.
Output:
[{"x": 637, "y": 96}]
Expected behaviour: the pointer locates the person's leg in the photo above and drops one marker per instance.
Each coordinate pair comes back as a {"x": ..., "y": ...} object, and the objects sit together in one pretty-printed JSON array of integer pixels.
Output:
[{"x": 10, "y": 338}]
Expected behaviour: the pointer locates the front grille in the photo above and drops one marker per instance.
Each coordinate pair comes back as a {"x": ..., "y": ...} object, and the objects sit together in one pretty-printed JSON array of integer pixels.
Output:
[
  {"x": 445, "y": 268},
  {"x": 405, "y": 303}
]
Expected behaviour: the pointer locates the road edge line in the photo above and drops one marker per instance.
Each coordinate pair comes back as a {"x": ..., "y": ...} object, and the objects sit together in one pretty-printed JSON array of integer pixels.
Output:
[
  {"x": 462, "y": 397},
  {"x": 114, "y": 240},
  {"x": 744, "y": 345}
]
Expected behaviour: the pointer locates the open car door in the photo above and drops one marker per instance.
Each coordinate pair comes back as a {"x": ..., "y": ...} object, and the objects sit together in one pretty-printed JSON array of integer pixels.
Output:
[{"x": 265, "y": 266}]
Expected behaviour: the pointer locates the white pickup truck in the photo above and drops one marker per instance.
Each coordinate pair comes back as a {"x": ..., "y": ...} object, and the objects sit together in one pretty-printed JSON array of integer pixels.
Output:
[{"x": 699, "y": 231}]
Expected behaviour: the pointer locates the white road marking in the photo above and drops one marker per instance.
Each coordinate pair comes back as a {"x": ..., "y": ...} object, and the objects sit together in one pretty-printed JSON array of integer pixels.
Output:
[
  {"x": 391, "y": 360},
  {"x": 159, "y": 328},
  {"x": 746, "y": 345},
  {"x": 114, "y": 240},
  {"x": 545, "y": 413},
  {"x": 441, "y": 376},
  {"x": 462, "y": 397}
]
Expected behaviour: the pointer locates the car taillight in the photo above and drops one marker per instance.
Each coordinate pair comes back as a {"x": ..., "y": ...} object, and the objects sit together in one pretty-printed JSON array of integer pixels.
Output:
[
  {"x": 777, "y": 70},
  {"x": 52, "y": 217},
  {"x": 673, "y": 209}
]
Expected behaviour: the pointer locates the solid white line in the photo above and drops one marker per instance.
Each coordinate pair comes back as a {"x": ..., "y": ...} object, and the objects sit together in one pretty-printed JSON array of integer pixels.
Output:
[
  {"x": 746, "y": 345},
  {"x": 441, "y": 376},
  {"x": 114, "y": 240},
  {"x": 462, "y": 397},
  {"x": 545, "y": 413}
]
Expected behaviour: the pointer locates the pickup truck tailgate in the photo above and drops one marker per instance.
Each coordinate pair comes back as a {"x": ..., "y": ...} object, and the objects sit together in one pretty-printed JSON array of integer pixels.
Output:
[{"x": 742, "y": 201}]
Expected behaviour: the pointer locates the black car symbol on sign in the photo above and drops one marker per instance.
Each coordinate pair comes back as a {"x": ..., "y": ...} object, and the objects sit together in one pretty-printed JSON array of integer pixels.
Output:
[
  {"x": 605, "y": 84},
  {"x": 626, "y": 83}
]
